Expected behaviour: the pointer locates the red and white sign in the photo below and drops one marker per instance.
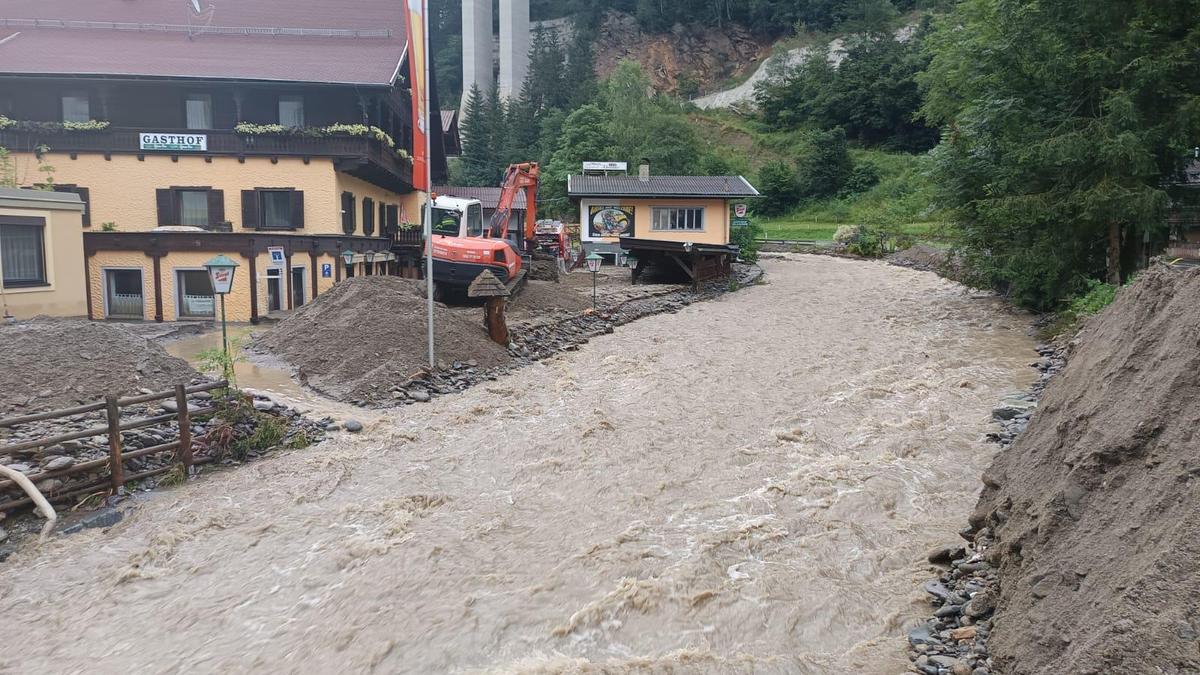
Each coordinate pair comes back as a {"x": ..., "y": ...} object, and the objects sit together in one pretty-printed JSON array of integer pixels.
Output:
[
  {"x": 222, "y": 280},
  {"x": 739, "y": 210}
]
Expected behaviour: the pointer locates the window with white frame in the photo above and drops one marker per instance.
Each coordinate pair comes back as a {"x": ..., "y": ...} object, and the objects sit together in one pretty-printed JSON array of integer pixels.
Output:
[
  {"x": 22, "y": 252},
  {"x": 75, "y": 108},
  {"x": 198, "y": 109},
  {"x": 670, "y": 219},
  {"x": 291, "y": 111}
]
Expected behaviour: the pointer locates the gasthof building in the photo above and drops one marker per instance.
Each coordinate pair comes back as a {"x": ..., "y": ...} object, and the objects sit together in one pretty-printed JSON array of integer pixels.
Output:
[{"x": 277, "y": 133}]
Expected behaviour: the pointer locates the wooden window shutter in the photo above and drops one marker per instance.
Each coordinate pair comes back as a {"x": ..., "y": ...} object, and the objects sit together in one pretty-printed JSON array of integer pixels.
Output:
[
  {"x": 250, "y": 209},
  {"x": 166, "y": 207},
  {"x": 298, "y": 209},
  {"x": 393, "y": 216},
  {"x": 216, "y": 207},
  {"x": 368, "y": 216},
  {"x": 85, "y": 196},
  {"x": 382, "y": 215},
  {"x": 348, "y": 213}
]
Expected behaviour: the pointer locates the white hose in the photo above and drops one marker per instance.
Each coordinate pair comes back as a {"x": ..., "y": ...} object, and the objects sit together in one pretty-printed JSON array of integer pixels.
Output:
[{"x": 42, "y": 505}]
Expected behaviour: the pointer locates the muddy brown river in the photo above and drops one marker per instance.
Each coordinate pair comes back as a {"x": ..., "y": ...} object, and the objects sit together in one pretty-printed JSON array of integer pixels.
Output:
[{"x": 747, "y": 486}]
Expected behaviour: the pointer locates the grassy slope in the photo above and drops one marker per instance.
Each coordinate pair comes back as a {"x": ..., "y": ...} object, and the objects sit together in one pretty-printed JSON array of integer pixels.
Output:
[{"x": 902, "y": 195}]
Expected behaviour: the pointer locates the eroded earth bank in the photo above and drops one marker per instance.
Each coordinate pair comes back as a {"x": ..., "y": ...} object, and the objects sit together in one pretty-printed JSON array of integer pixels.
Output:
[{"x": 748, "y": 485}]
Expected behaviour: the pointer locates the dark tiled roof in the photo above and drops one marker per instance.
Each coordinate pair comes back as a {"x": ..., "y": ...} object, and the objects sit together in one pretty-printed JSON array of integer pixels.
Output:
[
  {"x": 488, "y": 196},
  {"x": 660, "y": 186},
  {"x": 342, "y": 41}
]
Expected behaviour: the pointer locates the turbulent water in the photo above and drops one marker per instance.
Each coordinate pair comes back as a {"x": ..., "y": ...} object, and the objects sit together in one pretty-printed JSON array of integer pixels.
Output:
[{"x": 749, "y": 485}]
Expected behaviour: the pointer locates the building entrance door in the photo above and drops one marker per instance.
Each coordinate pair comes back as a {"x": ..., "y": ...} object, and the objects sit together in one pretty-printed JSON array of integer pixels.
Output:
[
  {"x": 274, "y": 289},
  {"x": 297, "y": 286}
]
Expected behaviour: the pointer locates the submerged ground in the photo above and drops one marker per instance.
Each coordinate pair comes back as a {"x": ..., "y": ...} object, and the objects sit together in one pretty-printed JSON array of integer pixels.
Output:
[{"x": 749, "y": 485}]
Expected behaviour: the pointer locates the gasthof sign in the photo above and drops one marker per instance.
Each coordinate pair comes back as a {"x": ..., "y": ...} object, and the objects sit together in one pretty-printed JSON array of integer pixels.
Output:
[{"x": 176, "y": 142}]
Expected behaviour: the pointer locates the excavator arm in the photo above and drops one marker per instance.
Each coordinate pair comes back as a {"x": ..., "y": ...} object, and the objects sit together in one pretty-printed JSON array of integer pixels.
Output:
[{"x": 518, "y": 177}]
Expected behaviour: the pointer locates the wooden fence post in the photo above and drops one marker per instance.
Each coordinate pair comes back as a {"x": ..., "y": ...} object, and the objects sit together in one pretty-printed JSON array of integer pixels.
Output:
[
  {"x": 185, "y": 429},
  {"x": 116, "y": 466}
]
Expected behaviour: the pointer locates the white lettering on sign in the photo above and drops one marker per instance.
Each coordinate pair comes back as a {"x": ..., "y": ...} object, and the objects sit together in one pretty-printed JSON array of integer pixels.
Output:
[
  {"x": 605, "y": 166},
  {"x": 178, "y": 142}
]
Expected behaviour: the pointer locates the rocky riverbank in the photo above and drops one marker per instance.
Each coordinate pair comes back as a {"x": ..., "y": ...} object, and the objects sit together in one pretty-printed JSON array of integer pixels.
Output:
[{"x": 954, "y": 641}]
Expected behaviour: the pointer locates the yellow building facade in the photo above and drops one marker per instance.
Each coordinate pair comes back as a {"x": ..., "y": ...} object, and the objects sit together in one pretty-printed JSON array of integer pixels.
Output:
[
  {"x": 291, "y": 156},
  {"x": 41, "y": 254},
  {"x": 682, "y": 222},
  {"x": 151, "y": 220},
  {"x": 164, "y": 278}
]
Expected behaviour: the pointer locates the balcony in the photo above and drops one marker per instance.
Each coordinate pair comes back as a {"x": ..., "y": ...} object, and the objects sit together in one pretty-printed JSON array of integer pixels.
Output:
[{"x": 362, "y": 156}]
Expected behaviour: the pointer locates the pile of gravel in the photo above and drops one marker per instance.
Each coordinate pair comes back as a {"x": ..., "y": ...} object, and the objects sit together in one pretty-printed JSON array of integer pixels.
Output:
[
  {"x": 367, "y": 331},
  {"x": 56, "y": 363}
]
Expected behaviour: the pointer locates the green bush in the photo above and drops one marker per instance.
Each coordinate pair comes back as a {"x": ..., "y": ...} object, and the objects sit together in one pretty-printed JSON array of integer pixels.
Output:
[
  {"x": 777, "y": 181},
  {"x": 863, "y": 177},
  {"x": 1091, "y": 301},
  {"x": 268, "y": 432},
  {"x": 1098, "y": 296},
  {"x": 747, "y": 238}
]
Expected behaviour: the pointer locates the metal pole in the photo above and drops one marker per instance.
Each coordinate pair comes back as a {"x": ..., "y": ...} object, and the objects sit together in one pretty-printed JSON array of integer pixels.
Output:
[
  {"x": 593, "y": 291},
  {"x": 224, "y": 333},
  {"x": 428, "y": 189}
]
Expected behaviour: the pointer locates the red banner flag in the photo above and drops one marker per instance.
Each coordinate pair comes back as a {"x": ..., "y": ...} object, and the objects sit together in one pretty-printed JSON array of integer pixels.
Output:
[{"x": 417, "y": 60}]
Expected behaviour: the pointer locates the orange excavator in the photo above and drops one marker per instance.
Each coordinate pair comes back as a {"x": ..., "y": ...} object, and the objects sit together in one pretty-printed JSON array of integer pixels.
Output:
[{"x": 463, "y": 247}]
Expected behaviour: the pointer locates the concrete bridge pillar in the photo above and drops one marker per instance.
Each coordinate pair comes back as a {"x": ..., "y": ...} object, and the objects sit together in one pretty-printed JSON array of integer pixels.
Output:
[
  {"x": 514, "y": 46},
  {"x": 477, "y": 46}
]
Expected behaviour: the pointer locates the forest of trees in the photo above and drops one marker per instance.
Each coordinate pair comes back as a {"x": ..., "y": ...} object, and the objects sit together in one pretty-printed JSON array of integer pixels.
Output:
[
  {"x": 1047, "y": 128},
  {"x": 1061, "y": 121}
]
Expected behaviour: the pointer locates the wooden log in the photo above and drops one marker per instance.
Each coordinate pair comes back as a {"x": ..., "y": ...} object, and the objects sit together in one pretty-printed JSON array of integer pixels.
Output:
[
  {"x": 496, "y": 324},
  {"x": 116, "y": 465},
  {"x": 100, "y": 431},
  {"x": 185, "y": 429},
  {"x": 94, "y": 464},
  {"x": 91, "y": 407}
]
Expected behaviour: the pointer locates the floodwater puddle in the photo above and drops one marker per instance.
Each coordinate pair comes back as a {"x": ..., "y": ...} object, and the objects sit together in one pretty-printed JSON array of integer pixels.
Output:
[{"x": 260, "y": 373}]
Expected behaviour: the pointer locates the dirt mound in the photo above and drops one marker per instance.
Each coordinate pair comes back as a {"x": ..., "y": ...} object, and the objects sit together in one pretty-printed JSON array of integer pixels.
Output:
[
  {"x": 55, "y": 363},
  {"x": 540, "y": 298},
  {"x": 922, "y": 257},
  {"x": 1093, "y": 509},
  {"x": 368, "y": 332}
]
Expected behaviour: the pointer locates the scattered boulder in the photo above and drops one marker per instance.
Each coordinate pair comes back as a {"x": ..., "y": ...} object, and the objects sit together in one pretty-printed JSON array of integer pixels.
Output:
[
  {"x": 942, "y": 555},
  {"x": 980, "y": 606},
  {"x": 58, "y": 463},
  {"x": 353, "y": 426}
]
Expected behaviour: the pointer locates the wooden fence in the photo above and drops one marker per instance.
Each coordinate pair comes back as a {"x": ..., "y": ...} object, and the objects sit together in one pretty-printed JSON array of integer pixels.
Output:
[{"x": 114, "y": 464}]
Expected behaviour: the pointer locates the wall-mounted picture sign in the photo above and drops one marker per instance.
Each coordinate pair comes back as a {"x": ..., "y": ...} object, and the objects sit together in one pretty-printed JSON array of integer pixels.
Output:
[
  {"x": 740, "y": 210},
  {"x": 610, "y": 221},
  {"x": 277, "y": 257},
  {"x": 326, "y": 270}
]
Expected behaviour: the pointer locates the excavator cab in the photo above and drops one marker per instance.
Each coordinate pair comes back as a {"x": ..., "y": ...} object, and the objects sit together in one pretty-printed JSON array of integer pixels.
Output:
[
  {"x": 463, "y": 248},
  {"x": 457, "y": 217}
]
